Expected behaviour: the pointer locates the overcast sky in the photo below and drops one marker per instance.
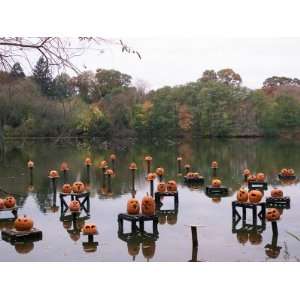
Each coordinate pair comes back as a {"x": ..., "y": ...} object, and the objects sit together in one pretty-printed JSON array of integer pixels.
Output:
[{"x": 172, "y": 61}]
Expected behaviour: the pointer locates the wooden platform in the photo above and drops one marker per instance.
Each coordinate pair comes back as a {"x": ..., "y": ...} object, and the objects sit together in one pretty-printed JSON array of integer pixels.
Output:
[
  {"x": 137, "y": 237},
  {"x": 283, "y": 202},
  {"x": 12, "y": 236},
  {"x": 255, "y": 185},
  {"x": 13, "y": 210},
  {"x": 216, "y": 191},
  {"x": 158, "y": 195}
]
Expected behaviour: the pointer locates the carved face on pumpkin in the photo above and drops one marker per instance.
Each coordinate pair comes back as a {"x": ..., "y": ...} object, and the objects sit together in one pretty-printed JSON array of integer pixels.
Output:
[
  {"x": 88, "y": 161},
  {"x": 148, "y": 206},
  {"x": 74, "y": 206},
  {"x": 251, "y": 178},
  {"x": 214, "y": 164},
  {"x": 64, "y": 167},
  {"x": 78, "y": 187},
  {"x": 67, "y": 224},
  {"x": 23, "y": 224},
  {"x": 151, "y": 176},
  {"x": 260, "y": 177},
  {"x": 162, "y": 219},
  {"x": 216, "y": 199},
  {"x": 10, "y": 202},
  {"x": 53, "y": 174},
  {"x": 133, "y": 207},
  {"x": 148, "y": 158},
  {"x": 161, "y": 187},
  {"x": 242, "y": 195},
  {"x": 272, "y": 214},
  {"x": 255, "y": 196},
  {"x": 89, "y": 229},
  {"x": 276, "y": 193},
  {"x": 216, "y": 183},
  {"x": 133, "y": 166},
  {"x": 160, "y": 171},
  {"x": 30, "y": 164},
  {"x": 291, "y": 172},
  {"x": 171, "y": 186},
  {"x": 67, "y": 188}
]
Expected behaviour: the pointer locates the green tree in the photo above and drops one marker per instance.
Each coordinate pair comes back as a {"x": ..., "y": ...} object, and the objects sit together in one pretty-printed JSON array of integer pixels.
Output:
[
  {"x": 63, "y": 87},
  {"x": 17, "y": 71}
]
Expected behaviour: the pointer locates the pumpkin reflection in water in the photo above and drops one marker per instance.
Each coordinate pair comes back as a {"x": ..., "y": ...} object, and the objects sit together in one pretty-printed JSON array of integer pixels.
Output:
[
  {"x": 148, "y": 249},
  {"x": 251, "y": 178},
  {"x": 53, "y": 174},
  {"x": 160, "y": 171},
  {"x": 255, "y": 238},
  {"x": 172, "y": 219},
  {"x": 133, "y": 248},
  {"x": 260, "y": 177},
  {"x": 242, "y": 236},
  {"x": 171, "y": 186},
  {"x": 24, "y": 248},
  {"x": 74, "y": 236},
  {"x": 216, "y": 199},
  {"x": 67, "y": 188},
  {"x": 162, "y": 219}
]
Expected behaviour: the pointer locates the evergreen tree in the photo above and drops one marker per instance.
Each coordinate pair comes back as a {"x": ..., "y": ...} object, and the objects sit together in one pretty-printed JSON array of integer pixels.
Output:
[
  {"x": 17, "y": 71},
  {"x": 43, "y": 77}
]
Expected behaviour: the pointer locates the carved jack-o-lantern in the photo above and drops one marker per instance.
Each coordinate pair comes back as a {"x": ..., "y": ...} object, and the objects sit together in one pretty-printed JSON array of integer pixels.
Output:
[
  {"x": 103, "y": 164},
  {"x": 88, "y": 161},
  {"x": 216, "y": 183},
  {"x": 148, "y": 206},
  {"x": 291, "y": 172},
  {"x": 255, "y": 238},
  {"x": 214, "y": 164},
  {"x": 133, "y": 248},
  {"x": 255, "y": 196},
  {"x": 272, "y": 214},
  {"x": 148, "y": 158},
  {"x": 276, "y": 193},
  {"x": 151, "y": 176},
  {"x": 216, "y": 199},
  {"x": 260, "y": 177},
  {"x": 10, "y": 202},
  {"x": 242, "y": 195},
  {"x": 23, "y": 224},
  {"x": 160, "y": 171},
  {"x": 133, "y": 207},
  {"x": 171, "y": 186},
  {"x": 148, "y": 248},
  {"x": 190, "y": 175},
  {"x": 2, "y": 206},
  {"x": 133, "y": 166},
  {"x": 78, "y": 187},
  {"x": 284, "y": 172},
  {"x": 67, "y": 188},
  {"x": 242, "y": 236},
  {"x": 30, "y": 164},
  {"x": 247, "y": 172},
  {"x": 161, "y": 187},
  {"x": 53, "y": 174},
  {"x": 89, "y": 229},
  {"x": 109, "y": 172},
  {"x": 64, "y": 167},
  {"x": 113, "y": 157},
  {"x": 74, "y": 206},
  {"x": 251, "y": 178}
]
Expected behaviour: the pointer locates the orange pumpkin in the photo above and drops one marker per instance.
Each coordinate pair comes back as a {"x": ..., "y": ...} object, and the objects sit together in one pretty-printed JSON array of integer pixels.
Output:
[
  {"x": 284, "y": 172},
  {"x": 2, "y": 206},
  {"x": 160, "y": 171},
  {"x": 10, "y": 202},
  {"x": 133, "y": 166},
  {"x": 30, "y": 164},
  {"x": 53, "y": 174},
  {"x": 78, "y": 187},
  {"x": 251, "y": 178},
  {"x": 74, "y": 206},
  {"x": 214, "y": 164},
  {"x": 255, "y": 238},
  {"x": 276, "y": 193},
  {"x": 67, "y": 224},
  {"x": 216, "y": 183},
  {"x": 64, "y": 167},
  {"x": 171, "y": 186},
  {"x": 89, "y": 229},
  {"x": 247, "y": 172},
  {"x": 148, "y": 206},
  {"x": 133, "y": 207},
  {"x": 291, "y": 172},
  {"x": 67, "y": 188},
  {"x": 23, "y": 224},
  {"x": 273, "y": 252},
  {"x": 103, "y": 164},
  {"x": 151, "y": 176},
  {"x": 113, "y": 157},
  {"x": 260, "y": 177},
  {"x": 242, "y": 236},
  {"x": 88, "y": 161},
  {"x": 148, "y": 249},
  {"x": 161, "y": 187},
  {"x": 179, "y": 158},
  {"x": 148, "y": 158},
  {"x": 272, "y": 214},
  {"x": 74, "y": 236},
  {"x": 242, "y": 195},
  {"x": 255, "y": 196},
  {"x": 109, "y": 172}
]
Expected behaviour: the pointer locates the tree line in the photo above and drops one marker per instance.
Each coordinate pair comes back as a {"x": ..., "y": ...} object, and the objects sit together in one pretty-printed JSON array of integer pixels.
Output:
[{"x": 106, "y": 104}]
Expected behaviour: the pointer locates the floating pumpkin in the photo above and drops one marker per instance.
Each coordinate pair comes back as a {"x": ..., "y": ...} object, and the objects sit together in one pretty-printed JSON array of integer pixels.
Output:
[
  {"x": 133, "y": 207},
  {"x": 242, "y": 236},
  {"x": 260, "y": 177},
  {"x": 30, "y": 164},
  {"x": 10, "y": 202},
  {"x": 161, "y": 187},
  {"x": 64, "y": 167},
  {"x": 133, "y": 166},
  {"x": 148, "y": 158},
  {"x": 88, "y": 161},
  {"x": 53, "y": 174},
  {"x": 113, "y": 157},
  {"x": 24, "y": 248},
  {"x": 276, "y": 193},
  {"x": 216, "y": 183},
  {"x": 255, "y": 196},
  {"x": 214, "y": 164},
  {"x": 291, "y": 172},
  {"x": 67, "y": 188},
  {"x": 23, "y": 224},
  {"x": 171, "y": 186},
  {"x": 251, "y": 178},
  {"x": 151, "y": 176},
  {"x": 2, "y": 206},
  {"x": 74, "y": 206},
  {"x": 89, "y": 229},
  {"x": 148, "y": 206},
  {"x": 172, "y": 219},
  {"x": 78, "y": 187},
  {"x": 247, "y": 172},
  {"x": 242, "y": 195},
  {"x": 148, "y": 249},
  {"x": 160, "y": 171},
  {"x": 109, "y": 172},
  {"x": 133, "y": 248},
  {"x": 272, "y": 214},
  {"x": 255, "y": 238}
]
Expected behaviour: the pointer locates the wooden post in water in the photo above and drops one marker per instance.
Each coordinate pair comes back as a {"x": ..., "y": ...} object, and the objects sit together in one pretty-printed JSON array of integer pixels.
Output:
[
  {"x": 194, "y": 236},
  {"x": 274, "y": 228},
  {"x": 179, "y": 160}
]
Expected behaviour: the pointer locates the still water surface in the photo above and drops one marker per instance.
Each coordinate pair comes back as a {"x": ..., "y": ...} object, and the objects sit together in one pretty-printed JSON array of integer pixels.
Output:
[{"x": 217, "y": 242}]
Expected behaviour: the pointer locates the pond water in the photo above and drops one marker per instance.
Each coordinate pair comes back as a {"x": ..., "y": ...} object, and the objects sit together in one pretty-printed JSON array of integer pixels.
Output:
[{"x": 217, "y": 238}]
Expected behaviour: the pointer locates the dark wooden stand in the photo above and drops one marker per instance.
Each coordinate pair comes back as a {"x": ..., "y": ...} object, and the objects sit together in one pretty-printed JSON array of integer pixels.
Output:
[
  {"x": 158, "y": 196},
  {"x": 283, "y": 202},
  {"x": 216, "y": 191},
  {"x": 13, "y": 210},
  {"x": 281, "y": 177},
  {"x": 198, "y": 180},
  {"x": 83, "y": 198},
  {"x": 12, "y": 236},
  {"x": 255, "y": 185}
]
